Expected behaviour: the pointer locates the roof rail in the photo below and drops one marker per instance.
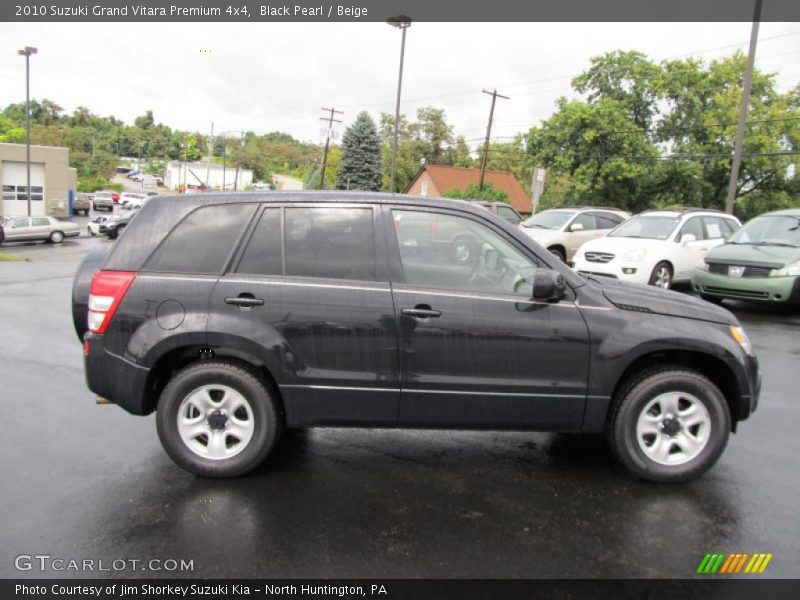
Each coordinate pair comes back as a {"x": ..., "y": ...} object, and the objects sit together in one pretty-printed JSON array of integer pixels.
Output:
[{"x": 683, "y": 211}]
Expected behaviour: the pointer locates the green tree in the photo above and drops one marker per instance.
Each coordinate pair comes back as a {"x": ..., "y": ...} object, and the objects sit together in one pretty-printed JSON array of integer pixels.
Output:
[
  {"x": 360, "y": 167},
  {"x": 474, "y": 192}
]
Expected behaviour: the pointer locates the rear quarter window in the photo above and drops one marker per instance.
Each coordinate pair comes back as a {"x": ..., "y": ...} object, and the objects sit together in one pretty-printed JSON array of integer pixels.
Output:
[{"x": 202, "y": 241}]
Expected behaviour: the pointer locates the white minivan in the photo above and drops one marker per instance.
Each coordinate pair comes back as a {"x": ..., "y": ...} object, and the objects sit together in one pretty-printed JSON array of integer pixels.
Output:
[{"x": 657, "y": 247}]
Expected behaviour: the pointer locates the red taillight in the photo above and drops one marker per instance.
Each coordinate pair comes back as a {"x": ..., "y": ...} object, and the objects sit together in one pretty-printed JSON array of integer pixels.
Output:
[{"x": 108, "y": 290}]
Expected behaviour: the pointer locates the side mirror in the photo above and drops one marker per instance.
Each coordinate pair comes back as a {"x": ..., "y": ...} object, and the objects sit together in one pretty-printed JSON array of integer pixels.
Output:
[
  {"x": 687, "y": 237},
  {"x": 548, "y": 285},
  {"x": 576, "y": 227}
]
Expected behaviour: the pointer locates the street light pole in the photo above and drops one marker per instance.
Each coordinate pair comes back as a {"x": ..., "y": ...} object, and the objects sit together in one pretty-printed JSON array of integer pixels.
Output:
[
  {"x": 401, "y": 22},
  {"x": 26, "y": 52}
]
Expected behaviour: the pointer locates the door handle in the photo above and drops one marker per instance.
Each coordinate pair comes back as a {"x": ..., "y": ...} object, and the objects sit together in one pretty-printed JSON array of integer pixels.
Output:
[
  {"x": 421, "y": 311},
  {"x": 245, "y": 300}
]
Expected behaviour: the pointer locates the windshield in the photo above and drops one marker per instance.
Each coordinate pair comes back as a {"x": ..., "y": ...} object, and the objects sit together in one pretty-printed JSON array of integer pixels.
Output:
[
  {"x": 549, "y": 219},
  {"x": 770, "y": 230},
  {"x": 646, "y": 226}
]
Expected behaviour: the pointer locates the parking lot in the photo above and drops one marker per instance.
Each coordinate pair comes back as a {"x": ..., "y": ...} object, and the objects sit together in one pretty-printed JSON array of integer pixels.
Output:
[{"x": 87, "y": 481}]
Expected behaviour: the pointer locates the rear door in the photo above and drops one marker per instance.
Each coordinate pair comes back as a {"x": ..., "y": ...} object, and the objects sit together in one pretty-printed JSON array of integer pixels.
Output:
[
  {"x": 167, "y": 304},
  {"x": 309, "y": 296},
  {"x": 475, "y": 351}
]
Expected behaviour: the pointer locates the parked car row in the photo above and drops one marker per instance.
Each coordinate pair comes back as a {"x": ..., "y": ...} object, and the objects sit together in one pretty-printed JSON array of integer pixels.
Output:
[{"x": 710, "y": 249}]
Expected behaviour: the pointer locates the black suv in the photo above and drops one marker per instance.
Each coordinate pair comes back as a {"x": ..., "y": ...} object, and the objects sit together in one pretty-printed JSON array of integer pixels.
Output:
[{"x": 236, "y": 315}]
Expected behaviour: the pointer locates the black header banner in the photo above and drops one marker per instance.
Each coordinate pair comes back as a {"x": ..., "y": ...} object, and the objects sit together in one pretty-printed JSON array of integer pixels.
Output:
[
  {"x": 243, "y": 11},
  {"x": 398, "y": 589}
]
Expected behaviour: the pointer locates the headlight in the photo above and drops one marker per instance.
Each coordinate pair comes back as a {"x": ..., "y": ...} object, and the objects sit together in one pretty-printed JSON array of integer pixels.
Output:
[
  {"x": 737, "y": 331},
  {"x": 790, "y": 270},
  {"x": 634, "y": 255}
]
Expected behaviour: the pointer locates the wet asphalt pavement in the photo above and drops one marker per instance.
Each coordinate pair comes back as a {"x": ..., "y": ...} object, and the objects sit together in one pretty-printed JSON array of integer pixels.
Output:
[{"x": 82, "y": 481}]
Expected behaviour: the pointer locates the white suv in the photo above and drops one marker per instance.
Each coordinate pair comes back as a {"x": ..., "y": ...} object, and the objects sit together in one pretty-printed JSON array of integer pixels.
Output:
[
  {"x": 563, "y": 230},
  {"x": 657, "y": 247}
]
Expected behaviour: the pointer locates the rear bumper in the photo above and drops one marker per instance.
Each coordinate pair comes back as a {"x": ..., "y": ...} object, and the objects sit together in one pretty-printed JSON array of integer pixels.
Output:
[{"x": 115, "y": 378}]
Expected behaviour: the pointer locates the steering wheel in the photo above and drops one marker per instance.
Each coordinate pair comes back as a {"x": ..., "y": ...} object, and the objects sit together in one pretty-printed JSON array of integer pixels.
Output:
[{"x": 477, "y": 271}]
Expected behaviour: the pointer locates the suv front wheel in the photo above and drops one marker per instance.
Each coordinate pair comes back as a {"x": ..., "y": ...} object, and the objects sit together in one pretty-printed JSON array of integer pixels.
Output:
[
  {"x": 669, "y": 425},
  {"x": 217, "y": 419}
]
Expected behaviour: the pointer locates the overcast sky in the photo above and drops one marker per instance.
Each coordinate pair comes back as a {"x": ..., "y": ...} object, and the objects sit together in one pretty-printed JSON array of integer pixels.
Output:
[{"x": 265, "y": 77}]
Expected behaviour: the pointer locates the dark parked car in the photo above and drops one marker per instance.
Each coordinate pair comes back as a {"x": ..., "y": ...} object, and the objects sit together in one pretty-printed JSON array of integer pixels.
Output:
[
  {"x": 502, "y": 210},
  {"x": 114, "y": 226},
  {"x": 234, "y": 316}
]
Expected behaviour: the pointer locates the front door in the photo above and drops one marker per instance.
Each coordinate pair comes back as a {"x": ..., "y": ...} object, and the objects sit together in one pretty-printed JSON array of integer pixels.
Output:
[
  {"x": 309, "y": 294},
  {"x": 475, "y": 350}
]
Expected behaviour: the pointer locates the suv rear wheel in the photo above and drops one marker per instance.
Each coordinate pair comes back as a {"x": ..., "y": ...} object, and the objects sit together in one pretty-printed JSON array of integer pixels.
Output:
[
  {"x": 669, "y": 425},
  {"x": 217, "y": 419}
]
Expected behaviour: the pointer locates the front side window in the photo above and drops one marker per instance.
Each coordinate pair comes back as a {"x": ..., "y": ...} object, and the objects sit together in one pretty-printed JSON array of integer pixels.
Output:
[
  {"x": 202, "y": 242},
  {"x": 330, "y": 242},
  {"x": 586, "y": 220},
  {"x": 440, "y": 250},
  {"x": 693, "y": 227}
]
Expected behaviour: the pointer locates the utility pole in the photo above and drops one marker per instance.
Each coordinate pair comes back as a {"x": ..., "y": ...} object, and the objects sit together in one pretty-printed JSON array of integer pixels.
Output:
[
  {"x": 236, "y": 175},
  {"x": 27, "y": 51},
  {"x": 747, "y": 84},
  {"x": 494, "y": 96},
  {"x": 208, "y": 160},
  {"x": 330, "y": 121},
  {"x": 402, "y": 22}
]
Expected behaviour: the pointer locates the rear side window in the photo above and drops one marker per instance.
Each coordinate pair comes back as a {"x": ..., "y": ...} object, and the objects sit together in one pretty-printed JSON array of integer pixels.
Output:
[
  {"x": 262, "y": 256},
  {"x": 330, "y": 242},
  {"x": 202, "y": 242}
]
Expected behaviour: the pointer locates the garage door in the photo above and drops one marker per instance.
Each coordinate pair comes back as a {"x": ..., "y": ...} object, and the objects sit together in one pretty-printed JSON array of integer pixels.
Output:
[{"x": 15, "y": 189}]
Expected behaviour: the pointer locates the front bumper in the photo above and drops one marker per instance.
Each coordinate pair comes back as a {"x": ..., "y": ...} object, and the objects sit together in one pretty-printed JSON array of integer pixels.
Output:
[
  {"x": 784, "y": 290},
  {"x": 615, "y": 269},
  {"x": 115, "y": 378}
]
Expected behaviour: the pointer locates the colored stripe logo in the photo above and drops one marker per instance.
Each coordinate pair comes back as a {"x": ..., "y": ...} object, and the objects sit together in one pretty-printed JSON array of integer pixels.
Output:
[{"x": 734, "y": 563}]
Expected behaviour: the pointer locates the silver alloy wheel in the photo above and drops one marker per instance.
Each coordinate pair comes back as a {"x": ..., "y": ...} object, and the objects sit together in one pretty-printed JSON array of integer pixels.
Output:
[
  {"x": 462, "y": 252},
  {"x": 663, "y": 277},
  {"x": 673, "y": 428},
  {"x": 215, "y": 422},
  {"x": 56, "y": 237}
]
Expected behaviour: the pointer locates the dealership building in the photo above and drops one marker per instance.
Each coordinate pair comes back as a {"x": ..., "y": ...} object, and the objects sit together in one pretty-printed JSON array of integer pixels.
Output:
[{"x": 53, "y": 181}]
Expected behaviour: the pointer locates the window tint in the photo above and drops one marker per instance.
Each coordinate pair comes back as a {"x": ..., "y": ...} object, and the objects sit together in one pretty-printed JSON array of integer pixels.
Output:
[
  {"x": 693, "y": 226},
  {"x": 336, "y": 243},
  {"x": 587, "y": 220},
  {"x": 262, "y": 256},
  {"x": 40, "y": 221},
  {"x": 202, "y": 242},
  {"x": 446, "y": 251},
  {"x": 508, "y": 214},
  {"x": 607, "y": 220}
]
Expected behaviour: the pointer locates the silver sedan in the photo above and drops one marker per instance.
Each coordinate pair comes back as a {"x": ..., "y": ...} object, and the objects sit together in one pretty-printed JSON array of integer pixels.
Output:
[{"x": 50, "y": 229}]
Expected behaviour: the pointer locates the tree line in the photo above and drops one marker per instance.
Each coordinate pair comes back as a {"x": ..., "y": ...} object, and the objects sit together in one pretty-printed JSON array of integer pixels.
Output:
[{"x": 640, "y": 134}]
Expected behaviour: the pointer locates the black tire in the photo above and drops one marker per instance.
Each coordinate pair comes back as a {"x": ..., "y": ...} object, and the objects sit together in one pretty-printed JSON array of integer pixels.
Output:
[
  {"x": 120, "y": 229},
  {"x": 558, "y": 253},
  {"x": 662, "y": 275},
  {"x": 262, "y": 400},
  {"x": 643, "y": 389},
  {"x": 56, "y": 237},
  {"x": 712, "y": 299}
]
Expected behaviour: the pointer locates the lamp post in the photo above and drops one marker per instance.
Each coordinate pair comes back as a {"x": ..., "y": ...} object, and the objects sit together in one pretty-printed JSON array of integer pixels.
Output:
[
  {"x": 402, "y": 22},
  {"x": 27, "y": 51}
]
